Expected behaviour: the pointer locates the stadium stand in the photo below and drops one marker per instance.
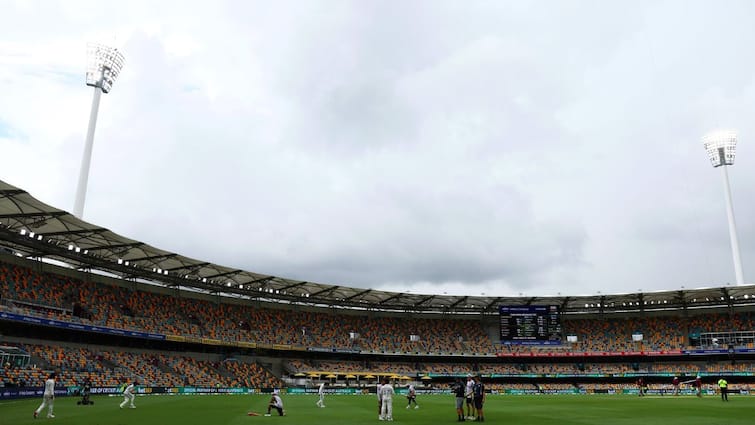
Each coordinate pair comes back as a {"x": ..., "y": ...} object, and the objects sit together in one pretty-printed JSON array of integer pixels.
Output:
[
  {"x": 284, "y": 333},
  {"x": 115, "y": 307},
  {"x": 109, "y": 367},
  {"x": 62, "y": 298}
]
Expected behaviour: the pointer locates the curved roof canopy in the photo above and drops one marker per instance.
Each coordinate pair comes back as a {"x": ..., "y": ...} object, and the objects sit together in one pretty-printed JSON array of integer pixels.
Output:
[{"x": 33, "y": 229}]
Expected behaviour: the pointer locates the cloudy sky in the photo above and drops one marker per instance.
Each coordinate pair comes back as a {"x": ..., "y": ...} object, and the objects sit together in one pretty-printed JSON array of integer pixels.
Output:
[{"x": 460, "y": 147}]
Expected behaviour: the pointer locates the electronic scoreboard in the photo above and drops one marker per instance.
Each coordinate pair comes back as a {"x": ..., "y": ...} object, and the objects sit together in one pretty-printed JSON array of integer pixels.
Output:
[{"x": 530, "y": 324}]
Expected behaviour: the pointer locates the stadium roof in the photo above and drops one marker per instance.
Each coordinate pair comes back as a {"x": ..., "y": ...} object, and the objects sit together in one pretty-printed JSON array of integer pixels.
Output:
[{"x": 32, "y": 229}]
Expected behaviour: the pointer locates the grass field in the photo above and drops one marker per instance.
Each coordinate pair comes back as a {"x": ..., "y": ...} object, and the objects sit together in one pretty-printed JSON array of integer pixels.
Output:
[{"x": 345, "y": 409}]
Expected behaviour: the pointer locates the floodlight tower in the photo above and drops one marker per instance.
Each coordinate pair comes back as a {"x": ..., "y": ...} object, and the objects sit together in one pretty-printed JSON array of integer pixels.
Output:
[
  {"x": 721, "y": 147},
  {"x": 103, "y": 66}
]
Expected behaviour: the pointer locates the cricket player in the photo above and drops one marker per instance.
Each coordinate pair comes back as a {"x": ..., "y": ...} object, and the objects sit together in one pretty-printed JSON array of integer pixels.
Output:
[
  {"x": 411, "y": 396},
  {"x": 321, "y": 393},
  {"x": 469, "y": 398},
  {"x": 48, "y": 397},
  {"x": 380, "y": 400},
  {"x": 386, "y": 393},
  {"x": 128, "y": 395},
  {"x": 277, "y": 403}
]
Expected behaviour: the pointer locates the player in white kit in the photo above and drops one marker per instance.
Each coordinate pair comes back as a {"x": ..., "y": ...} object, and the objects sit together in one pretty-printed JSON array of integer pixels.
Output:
[
  {"x": 386, "y": 396},
  {"x": 128, "y": 395},
  {"x": 380, "y": 401},
  {"x": 48, "y": 398},
  {"x": 321, "y": 393},
  {"x": 411, "y": 396},
  {"x": 468, "y": 395},
  {"x": 276, "y": 403}
]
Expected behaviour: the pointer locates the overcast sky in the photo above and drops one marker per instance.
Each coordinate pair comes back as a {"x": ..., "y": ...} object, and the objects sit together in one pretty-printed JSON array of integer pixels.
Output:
[{"x": 460, "y": 147}]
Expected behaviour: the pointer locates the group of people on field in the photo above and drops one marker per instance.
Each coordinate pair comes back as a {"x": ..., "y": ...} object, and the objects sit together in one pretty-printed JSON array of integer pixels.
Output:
[
  {"x": 697, "y": 384},
  {"x": 471, "y": 393},
  {"x": 385, "y": 393},
  {"x": 48, "y": 396}
]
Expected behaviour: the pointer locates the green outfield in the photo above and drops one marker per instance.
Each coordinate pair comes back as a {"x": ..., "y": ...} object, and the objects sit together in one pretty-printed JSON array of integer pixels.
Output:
[{"x": 434, "y": 410}]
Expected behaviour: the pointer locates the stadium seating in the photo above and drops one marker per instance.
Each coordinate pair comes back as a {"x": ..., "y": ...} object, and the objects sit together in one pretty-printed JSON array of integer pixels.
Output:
[
  {"x": 51, "y": 296},
  {"x": 33, "y": 293},
  {"x": 113, "y": 367},
  {"x": 140, "y": 308}
]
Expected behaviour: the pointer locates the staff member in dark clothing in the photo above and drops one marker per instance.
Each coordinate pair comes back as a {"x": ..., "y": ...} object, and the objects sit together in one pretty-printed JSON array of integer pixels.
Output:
[
  {"x": 459, "y": 390},
  {"x": 478, "y": 392}
]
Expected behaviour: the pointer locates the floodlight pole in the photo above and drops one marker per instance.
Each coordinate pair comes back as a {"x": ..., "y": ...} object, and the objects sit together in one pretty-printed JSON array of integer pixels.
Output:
[
  {"x": 732, "y": 229},
  {"x": 104, "y": 65},
  {"x": 86, "y": 160},
  {"x": 721, "y": 148}
]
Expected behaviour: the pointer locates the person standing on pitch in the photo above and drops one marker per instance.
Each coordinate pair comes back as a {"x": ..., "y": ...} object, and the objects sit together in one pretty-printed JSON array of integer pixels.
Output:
[
  {"x": 48, "y": 398},
  {"x": 411, "y": 395},
  {"x": 128, "y": 395},
  {"x": 478, "y": 392},
  {"x": 386, "y": 393},
  {"x": 675, "y": 383},
  {"x": 321, "y": 393},
  {"x": 724, "y": 387},
  {"x": 468, "y": 396},
  {"x": 459, "y": 390},
  {"x": 380, "y": 400},
  {"x": 640, "y": 385},
  {"x": 698, "y": 386}
]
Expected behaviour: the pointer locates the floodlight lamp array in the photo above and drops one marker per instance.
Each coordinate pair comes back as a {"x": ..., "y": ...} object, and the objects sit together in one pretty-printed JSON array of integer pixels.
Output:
[
  {"x": 721, "y": 147},
  {"x": 104, "y": 63}
]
